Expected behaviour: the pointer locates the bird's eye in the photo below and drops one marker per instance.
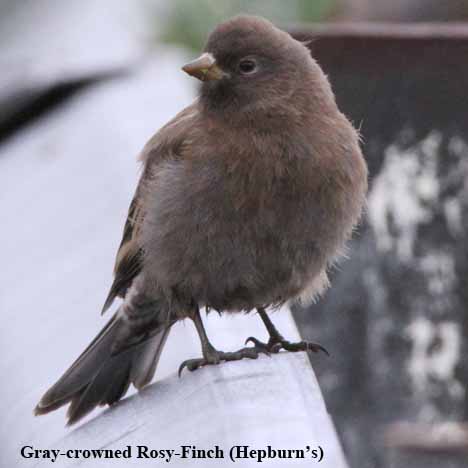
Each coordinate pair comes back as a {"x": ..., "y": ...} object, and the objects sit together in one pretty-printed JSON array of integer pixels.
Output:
[{"x": 247, "y": 66}]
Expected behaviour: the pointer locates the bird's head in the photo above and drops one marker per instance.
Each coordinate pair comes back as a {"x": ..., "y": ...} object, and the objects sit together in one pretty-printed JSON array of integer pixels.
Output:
[{"x": 249, "y": 64}]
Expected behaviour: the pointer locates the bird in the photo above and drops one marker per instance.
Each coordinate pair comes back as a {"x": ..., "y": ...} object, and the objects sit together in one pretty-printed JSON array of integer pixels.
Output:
[{"x": 247, "y": 198}]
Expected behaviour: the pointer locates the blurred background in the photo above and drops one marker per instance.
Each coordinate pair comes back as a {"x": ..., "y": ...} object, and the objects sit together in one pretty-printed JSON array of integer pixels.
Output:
[{"x": 85, "y": 83}]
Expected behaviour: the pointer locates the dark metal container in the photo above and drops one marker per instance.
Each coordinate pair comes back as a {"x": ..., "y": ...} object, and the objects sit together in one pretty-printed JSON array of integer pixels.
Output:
[{"x": 396, "y": 318}]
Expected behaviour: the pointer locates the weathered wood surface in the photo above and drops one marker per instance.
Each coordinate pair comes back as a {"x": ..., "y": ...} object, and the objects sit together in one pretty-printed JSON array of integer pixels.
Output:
[{"x": 272, "y": 402}]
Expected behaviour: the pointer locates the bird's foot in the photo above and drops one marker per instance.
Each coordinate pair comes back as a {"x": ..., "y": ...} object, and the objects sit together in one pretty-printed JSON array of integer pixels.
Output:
[
  {"x": 276, "y": 344},
  {"x": 215, "y": 357}
]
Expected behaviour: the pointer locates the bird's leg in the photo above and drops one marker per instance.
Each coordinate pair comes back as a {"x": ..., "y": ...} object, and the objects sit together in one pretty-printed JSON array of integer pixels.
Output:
[
  {"x": 210, "y": 354},
  {"x": 276, "y": 341}
]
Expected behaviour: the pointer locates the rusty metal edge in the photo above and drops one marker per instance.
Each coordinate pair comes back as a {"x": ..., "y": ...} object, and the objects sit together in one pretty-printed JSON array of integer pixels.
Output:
[{"x": 375, "y": 30}]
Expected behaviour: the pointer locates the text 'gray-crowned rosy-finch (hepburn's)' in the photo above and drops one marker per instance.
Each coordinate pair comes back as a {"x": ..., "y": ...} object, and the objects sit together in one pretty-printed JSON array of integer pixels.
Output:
[{"x": 246, "y": 198}]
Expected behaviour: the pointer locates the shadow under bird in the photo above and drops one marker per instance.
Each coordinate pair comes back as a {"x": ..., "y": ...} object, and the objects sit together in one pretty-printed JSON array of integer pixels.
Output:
[{"x": 246, "y": 198}]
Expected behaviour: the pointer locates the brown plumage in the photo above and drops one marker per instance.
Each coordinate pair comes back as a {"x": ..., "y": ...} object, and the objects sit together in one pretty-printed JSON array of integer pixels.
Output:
[{"x": 246, "y": 198}]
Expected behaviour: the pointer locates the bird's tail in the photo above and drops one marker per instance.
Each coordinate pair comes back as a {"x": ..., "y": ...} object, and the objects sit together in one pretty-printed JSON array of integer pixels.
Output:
[{"x": 125, "y": 351}]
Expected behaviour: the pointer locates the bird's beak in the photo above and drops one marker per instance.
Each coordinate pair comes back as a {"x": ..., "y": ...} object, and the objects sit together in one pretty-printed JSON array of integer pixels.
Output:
[{"x": 204, "y": 68}]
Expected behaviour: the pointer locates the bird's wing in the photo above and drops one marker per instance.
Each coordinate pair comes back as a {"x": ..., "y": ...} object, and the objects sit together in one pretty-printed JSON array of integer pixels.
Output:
[
  {"x": 166, "y": 144},
  {"x": 129, "y": 256}
]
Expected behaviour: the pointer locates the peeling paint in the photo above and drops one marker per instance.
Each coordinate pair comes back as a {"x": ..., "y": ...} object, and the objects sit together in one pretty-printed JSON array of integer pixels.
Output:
[
  {"x": 458, "y": 146},
  {"x": 435, "y": 354},
  {"x": 439, "y": 270},
  {"x": 403, "y": 195},
  {"x": 453, "y": 216}
]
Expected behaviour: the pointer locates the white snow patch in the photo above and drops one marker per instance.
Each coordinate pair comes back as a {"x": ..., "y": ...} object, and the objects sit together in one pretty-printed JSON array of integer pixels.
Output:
[
  {"x": 403, "y": 194},
  {"x": 429, "y": 361}
]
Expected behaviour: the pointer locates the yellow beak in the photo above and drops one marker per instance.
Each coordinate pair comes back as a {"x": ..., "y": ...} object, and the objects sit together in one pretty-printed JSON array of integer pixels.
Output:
[{"x": 204, "y": 68}]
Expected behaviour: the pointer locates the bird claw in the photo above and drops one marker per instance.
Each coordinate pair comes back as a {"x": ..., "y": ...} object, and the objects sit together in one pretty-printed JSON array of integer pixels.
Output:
[
  {"x": 191, "y": 365},
  {"x": 216, "y": 358},
  {"x": 251, "y": 352},
  {"x": 276, "y": 345},
  {"x": 265, "y": 348},
  {"x": 262, "y": 347},
  {"x": 303, "y": 346}
]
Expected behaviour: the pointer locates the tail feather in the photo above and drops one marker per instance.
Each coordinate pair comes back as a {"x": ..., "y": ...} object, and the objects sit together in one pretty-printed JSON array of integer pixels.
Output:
[
  {"x": 82, "y": 370},
  {"x": 116, "y": 392},
  {"x": 110, "y": 383},
  {"x": 101, "y": 375},
  {"x": 145, "y": 367}
]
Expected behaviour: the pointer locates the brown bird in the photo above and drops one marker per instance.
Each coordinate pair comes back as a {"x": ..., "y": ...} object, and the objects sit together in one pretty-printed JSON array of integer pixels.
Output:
[{"x": 246, "y": 198}]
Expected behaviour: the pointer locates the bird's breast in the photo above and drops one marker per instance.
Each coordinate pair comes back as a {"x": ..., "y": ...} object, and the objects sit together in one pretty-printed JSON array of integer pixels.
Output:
[{"x": 238, "y": 230}]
